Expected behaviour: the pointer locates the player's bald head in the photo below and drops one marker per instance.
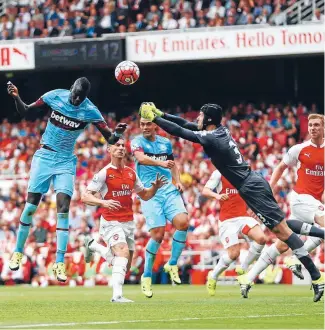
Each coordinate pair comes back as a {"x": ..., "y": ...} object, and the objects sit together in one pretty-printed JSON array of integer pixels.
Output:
[{"x": 79, "y": 90}]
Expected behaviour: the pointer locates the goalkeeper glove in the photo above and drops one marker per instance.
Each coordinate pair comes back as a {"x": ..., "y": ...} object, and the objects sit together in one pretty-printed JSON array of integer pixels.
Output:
[{"x": 146, "y": 111}]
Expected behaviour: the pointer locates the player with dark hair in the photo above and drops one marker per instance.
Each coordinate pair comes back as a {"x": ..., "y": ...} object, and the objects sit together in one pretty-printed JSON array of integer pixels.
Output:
[
  {"x": 219, "y": 145},
  {"x": 71, "y": 112}
]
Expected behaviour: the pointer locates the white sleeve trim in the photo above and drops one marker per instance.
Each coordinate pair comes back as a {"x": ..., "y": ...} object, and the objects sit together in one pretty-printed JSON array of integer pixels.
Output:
[
  {"x": 291, "y": 158},
  {"x": 98, "y": 181},
  {"x": 138, "y": 185},
  {"x": 214, "y": 180}
]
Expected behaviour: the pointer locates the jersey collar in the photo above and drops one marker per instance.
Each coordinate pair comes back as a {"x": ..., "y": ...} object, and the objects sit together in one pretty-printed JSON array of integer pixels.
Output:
[
  {"x": 110, "y": 165},
  {"x": 315, "y": 145}
]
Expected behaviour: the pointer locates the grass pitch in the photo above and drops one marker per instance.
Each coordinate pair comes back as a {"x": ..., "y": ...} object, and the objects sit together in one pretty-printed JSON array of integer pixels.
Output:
[{"x": 172, "y": 307}]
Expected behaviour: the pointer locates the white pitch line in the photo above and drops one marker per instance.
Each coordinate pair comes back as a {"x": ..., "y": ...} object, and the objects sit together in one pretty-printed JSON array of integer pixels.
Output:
[{"x": 70, "y": 324}]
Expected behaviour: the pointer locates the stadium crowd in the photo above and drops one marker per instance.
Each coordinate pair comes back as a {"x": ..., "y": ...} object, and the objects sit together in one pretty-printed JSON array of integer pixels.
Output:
[
  {"x": 81, "y": 18},
  {"x": 264, "y": 133}
]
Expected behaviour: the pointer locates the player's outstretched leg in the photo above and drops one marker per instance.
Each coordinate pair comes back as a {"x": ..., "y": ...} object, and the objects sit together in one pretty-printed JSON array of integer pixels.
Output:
[
  {"x": 268, "y": 256},
  {"x": 294, "y": 265},
  {"x": 91, "y": 247},
  {"x": 297, "y": 246},
  {"x": 257, "y": 235},
  {"x": 33, "y": 200},
  {"x": 152, "y": 248},
  {"x": 259, "y": 239},
  {"x": 180, "y": 221},
  {"x": 62, "y": 235},
  {"x": 23, "y": 231},
  {"x": 304, "y": 228},
  {"x": 225, "y": 260}
]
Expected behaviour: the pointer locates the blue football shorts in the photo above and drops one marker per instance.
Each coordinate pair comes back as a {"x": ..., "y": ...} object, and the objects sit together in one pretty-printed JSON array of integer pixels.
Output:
[
  {"x": 161, "y": 208},
  {"x": 50, "y": 166}
]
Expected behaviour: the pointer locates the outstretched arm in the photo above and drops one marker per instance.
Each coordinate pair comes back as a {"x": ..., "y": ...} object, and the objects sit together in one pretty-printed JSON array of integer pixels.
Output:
[
  {"x": 111, "y": 138},
  {"x": 181, "y": 122},
  {"x": 21, "y": 106},
  {"x": 176, "y": 130}
]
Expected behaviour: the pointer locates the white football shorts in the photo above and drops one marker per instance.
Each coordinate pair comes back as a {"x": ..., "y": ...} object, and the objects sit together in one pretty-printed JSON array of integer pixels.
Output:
[
  {"x": 230, "y": 229},
  {"x": 115, "y": 232},
  {"x": 305, "y": 207}
]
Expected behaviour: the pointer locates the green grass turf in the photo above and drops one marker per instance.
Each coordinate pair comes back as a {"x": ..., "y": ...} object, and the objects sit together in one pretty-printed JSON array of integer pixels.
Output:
[{"x": 186, "y": 307}]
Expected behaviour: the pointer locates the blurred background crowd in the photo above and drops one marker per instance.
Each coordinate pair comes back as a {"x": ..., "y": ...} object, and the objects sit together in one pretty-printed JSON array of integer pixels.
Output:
[
  {"x": 263, "y": 132},
  {"x": 91, "y": 18}
]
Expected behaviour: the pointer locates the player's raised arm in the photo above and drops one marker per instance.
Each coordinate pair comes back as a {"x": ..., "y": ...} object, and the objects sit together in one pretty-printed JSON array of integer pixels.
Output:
[
  {"x": 148, "y": 193},
  {"x": 21, "y": 106},
  {"x": 108, "y": 135},
  {"x": 146, "y": 112},
  {"x": 177, "y": 120}
]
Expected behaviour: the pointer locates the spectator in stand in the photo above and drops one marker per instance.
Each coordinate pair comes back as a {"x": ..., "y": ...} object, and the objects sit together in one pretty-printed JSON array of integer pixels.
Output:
[
  {"x": 318, "y": 16},
  {"x": 140, "y": 22},
  {"x": 34, "y": 32},
  {"x": 108, "y": 22},
  {"x": 216, "y": 8},
  {"x": 168, "y": 22},
  {"x": 186, "y": 21},
  {"x": 66, "y": 30},
  {"x": 80, "y": 29},
  {"x": 278, "y": 17}
]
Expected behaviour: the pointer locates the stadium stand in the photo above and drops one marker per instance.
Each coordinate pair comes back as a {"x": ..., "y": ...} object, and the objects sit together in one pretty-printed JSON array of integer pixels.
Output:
[
  {"x": 263, "y": 132},
  {"x": 22, "y": 19}
]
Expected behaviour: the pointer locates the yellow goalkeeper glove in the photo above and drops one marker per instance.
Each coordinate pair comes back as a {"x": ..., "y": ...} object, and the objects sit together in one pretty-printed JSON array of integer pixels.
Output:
[
  {"x": 146, "y": 111},
  {"x": 156, "y": 111}
]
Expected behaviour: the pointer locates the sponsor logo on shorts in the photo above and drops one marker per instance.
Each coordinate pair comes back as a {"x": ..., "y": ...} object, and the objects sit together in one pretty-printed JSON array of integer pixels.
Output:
[
  {"x": 115, "y": 237},
  {"x": 227, "y": 239},
  {"x": 321, "y": 207}
]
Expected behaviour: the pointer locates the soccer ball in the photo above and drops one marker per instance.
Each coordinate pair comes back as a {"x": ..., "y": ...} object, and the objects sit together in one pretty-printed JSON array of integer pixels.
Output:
[{"x": 127, "y": 73}]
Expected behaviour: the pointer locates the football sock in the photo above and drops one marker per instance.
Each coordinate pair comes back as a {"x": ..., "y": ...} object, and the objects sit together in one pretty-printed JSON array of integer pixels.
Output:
[
  {"x": 102, "y": 250},
  {"x": 254, "y": 252},
  {"x": 62, "y": 236},
  {"x": 267, "y": 257},
  {"x": 312, "y": 243},
  {"x": 118, "y": 275},
  {"x": 151, "y": 251},
  {"x": 222, "y": 265},
  {"x": 303, "y": 228},
  {"x": 178, "y": 245},
  {"x": 24, "y": 226},
  {"x": 298, "y": 249}
]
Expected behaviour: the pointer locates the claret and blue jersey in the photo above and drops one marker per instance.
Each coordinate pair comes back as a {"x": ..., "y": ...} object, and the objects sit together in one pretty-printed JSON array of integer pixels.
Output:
[
  {"x": 65, "y": 124},
  {"x": 66, "y": 121},
  {"x": 167, "y": 202}
]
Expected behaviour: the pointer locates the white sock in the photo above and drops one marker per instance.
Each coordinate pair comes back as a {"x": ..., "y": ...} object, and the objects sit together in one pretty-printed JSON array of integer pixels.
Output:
[
  {"x": 222, "y": 265},
  {"x": 267, "y": 258},
  {"x": 312, "y": 243},
  {"x": 102, "y": 250},
  {"x": 254, "y": 252},
  {"x": 118, "y": 275}
]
